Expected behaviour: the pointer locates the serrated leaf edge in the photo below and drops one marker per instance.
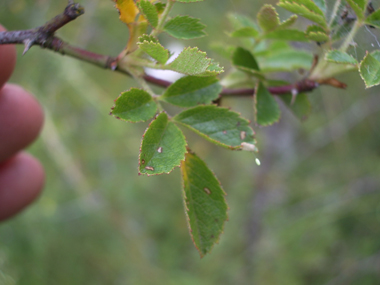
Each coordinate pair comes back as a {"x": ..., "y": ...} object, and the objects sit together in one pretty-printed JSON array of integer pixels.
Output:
[{"x": 155, "y": 174}]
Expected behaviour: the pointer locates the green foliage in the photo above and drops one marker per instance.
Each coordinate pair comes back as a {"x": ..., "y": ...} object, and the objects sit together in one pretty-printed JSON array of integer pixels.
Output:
[
  {"x": 267, "y": 111},
  {"x": 268, "y": 18},
  {"x": 205, "y": 205},
  {"x": 374, "y": 19},
  {"x": 262, "y": 50},
  {"x": 340, "y": 57},
  {"x": 149, "y": 11},
  {"x": 134, "y": 105},
  {"x": 305, "y": 8},
  {"x": 218, "y": 125},
  {"x": 190, "y": 91},
  {"x": 370, "y": 70},
  {"x": 155, "y": 50},
  {"x": 192, "y": 61},
  {"x": 163, "y": 147},
  {"x": 184, "y": 27}
]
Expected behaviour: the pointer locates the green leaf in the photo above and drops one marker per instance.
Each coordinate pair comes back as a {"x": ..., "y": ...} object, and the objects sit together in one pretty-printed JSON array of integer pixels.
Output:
[
  {"x": 305, "y": 8},
  {"x": 358, "y": 6},
  {"x": 155, "y": 50},
  {"x": 204, "y": 201},
  {"x": 245, "y": 33},
  {"x": 301, "y": 106},
  {"x": 190, "y": 91},
  {"x": 340, "y": 57},
  {"x": 160, "y": 7},
  {"x": 266, "y": 108},
  {"x": 184, "y": 27},
  {"x": 287, "y": 35},
  {"x": 316, "y": 33},
  {"x": 149, "y": 11},
  {"x": 239, "y": 21},
  {"x": 163, "y": 147},
  {"x": 218, "y": 125},
  {"x": 289, "y": 22},
  {"x": 376, "y": 54},
  {"x": 370, "y": 70},
  {"x": 268, "y": 18},
  {"x": 287, "y": 60},
  {"x": 147, "y": 38},
  {"x": 134, "y": 105},
  {"x": 222, "y": 49},
  {"x": 321, "y": 5},
  {"x": 192, "y": 61},
  {"x": 373, "y": 19},
  {"x": 244, "y": 58}
]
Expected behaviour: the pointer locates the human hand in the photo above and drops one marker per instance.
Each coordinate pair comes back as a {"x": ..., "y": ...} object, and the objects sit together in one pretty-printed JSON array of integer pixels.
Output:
[{"x": 21, "y": 118}]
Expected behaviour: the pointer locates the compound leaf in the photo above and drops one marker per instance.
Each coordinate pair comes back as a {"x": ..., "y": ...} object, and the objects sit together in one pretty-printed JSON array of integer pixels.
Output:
[
  {"x": 135, "y": 105},
  {"x": 205, "y": 204},
  {"x": 218, "y": 125},
  {"x": 163, "y": 147},
  {"x": 190, "y": 91}
]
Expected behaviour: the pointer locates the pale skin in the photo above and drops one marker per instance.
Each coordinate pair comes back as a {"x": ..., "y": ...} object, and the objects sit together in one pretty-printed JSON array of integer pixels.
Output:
[{"x": 21, "y": 119}]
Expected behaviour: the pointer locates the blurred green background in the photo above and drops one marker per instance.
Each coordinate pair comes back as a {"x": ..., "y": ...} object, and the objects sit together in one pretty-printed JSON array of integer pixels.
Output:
[{"x": 310, "y": 214}]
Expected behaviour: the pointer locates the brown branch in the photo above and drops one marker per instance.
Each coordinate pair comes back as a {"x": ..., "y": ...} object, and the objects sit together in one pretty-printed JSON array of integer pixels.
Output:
[
  {"x": 44, "y": 37},
  {"x": 40, "y": 35}
]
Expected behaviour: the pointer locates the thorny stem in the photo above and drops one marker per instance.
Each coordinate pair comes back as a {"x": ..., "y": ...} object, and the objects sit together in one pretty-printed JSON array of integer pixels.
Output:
[{"x": 44, "y": 37}]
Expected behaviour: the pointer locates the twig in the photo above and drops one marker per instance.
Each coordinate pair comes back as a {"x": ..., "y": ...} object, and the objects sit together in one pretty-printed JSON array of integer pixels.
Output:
[
  {"x": 45, "y": 38},
  {"x": 40, "y": 35}
]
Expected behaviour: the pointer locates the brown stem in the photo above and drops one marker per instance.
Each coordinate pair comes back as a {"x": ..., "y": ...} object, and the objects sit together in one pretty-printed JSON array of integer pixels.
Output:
[{"x": 44, "y": 37}]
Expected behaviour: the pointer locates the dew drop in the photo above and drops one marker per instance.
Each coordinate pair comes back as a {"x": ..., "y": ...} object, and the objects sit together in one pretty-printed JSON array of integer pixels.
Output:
[
  {"x": 258, "y": 161},
  {"x": 159, "y": 150}
]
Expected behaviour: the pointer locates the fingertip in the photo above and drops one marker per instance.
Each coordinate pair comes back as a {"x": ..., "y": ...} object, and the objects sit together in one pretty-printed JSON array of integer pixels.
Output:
[
  {"x": 21, "y": 181},
  {"x": 21, "y": 118}
]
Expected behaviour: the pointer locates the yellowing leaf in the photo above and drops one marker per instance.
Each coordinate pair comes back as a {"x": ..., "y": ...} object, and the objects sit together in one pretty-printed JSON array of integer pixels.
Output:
[{"x": 127, "y": 10}]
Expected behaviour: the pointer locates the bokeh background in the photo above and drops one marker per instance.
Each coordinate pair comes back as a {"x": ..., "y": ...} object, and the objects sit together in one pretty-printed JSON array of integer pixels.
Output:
[{"x": 310, "y": 214}]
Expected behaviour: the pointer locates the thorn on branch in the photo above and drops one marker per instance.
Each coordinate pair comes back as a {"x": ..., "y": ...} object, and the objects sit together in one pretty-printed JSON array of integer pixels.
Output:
[{"x": 28, "y": 44}]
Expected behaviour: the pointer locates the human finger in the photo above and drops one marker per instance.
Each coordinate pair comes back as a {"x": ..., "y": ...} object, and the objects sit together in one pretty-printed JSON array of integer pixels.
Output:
[
  {"x": 21, "y": 120},
  {"x": 21, "y": 180}
]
